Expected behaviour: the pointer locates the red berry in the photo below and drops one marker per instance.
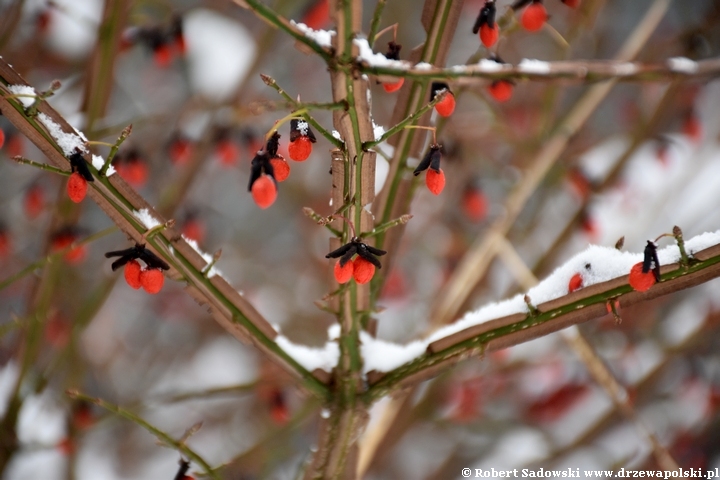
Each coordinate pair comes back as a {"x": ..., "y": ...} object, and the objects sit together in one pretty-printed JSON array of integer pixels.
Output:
[
  {"x": 66, "y": 446},
  {"x": 693, "y": 128},
  {"x": 474, "y": 204},
  {"x": 194, "y": 230},
  {"x": 576, "y": 283},
  {"x": 64, "y": 240},
  {"x": 132, "y": 274},
  {"x": 318, "y": 15},
  {"x": 4, "y": 243},
  {"x": 14, "y": 146},
  {"x": 57, "y": 331},
  {"x": 76, "y": 255},
  {"x": 571, "y": 3},
  {"x": 152, "y": 280},
  {"x": 300, "y": 149},
  {"x": 533, "y": 17},
  {"x": 162, "y": 55},
  {"x": 76, "y": 187},
  {"x": 34, "y": 201},
  {"x": 343, "y": 274},
  {"x": 2, "y": 138},
  {"x": 181, "y": 151},
  {"x": 134, "y": 172},
  {"x": 363, "y": 270},
  {"x": 227, "y": 152},
  {"x": 264, "y": 191},
  {"x": 446, "y": 106},
  {"x": 83, "y": 417},
  {"x": 488, "y": 36},
  {"x": 281, "y": 168},
  {"x": 501, "y": 90},
  {"x": 393, "y": 87},
  {"x": 639, "y": 280},
  {"x": 435, "y": 181}
]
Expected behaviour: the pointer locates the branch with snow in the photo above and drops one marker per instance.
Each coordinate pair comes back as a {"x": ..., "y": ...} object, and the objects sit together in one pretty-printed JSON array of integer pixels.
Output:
[
  {"x": 500, "y": 325},
  {"x": 581, "y": 70}
]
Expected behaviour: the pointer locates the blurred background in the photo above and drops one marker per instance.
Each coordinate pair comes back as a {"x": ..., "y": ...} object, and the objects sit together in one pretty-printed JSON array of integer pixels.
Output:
[{"x": 186, "y": 75}]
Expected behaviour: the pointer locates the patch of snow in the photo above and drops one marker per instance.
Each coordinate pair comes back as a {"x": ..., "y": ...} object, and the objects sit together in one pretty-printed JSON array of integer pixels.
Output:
[
  {"x": 383, "y": 356},
  {"x": 325, "y": 413},
  {"x": 382, "y": 168},
  {"x": 538, "y": 67},
  {"x": 423, "y": 66},
  {"x": 98, "y": 162},
  {"x": 373, "y": 59},
  {"x": 22, "y": 91},
  {"x": 73, "y": 26},
  {"x": 146, "y": 218},
  {"x": 193, "y": 244},
  {"x": 220, "y": 52},
  {"x": 67, "y": 142},
  {"x": 336, "y": 135},
  {"x": 303, "y": 128},
  {"x": 378, "y": 131},
  {"x": 321, "y": 37},
  {"x": 486, "y": 65},
  {"x": 625, "y": 69},
  {"x": 682, "y": 65},
  {"x": 325, "y": 358}
]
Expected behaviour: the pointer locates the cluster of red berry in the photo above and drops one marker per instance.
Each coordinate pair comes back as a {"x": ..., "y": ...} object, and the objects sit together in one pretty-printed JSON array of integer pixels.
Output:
[
  {"x": 149, "y": 276},
  {"x": 362, "y": 268},
  {"x": 165, "y": 42},
  {"x": 268, "y": 167}
]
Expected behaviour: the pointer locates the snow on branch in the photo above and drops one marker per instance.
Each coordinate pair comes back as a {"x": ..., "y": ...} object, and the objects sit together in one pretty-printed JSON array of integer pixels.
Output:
[
  {"x": 584, "y": 70},
  {"x": 510, "y": 322}
]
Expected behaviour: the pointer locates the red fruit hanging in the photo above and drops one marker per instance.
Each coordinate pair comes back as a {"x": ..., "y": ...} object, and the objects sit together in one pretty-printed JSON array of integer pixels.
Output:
[
  {"x": 82, "y": 416},
  {"x": 318, "y": 15},
  {"x": 227, "y": 151},
  {"x": 645, "y": 274},
  {"x": 393, "y": 87},
  {"x": 4, "y": 242},
  {"x": 534, "y": 16},
  {"x": 264, "y": 191},
  {"x": 639, "y": 280},
  {"x": 132, "y": 274},
  {"x": 393, "y": 53},
  {"x": 474, "y": 204},
  {"x": 576, "y": 283},
  {"x": 181, "y": 150},
  {"x": 343, "y": 274},
  {"x": 571, "y": 3},
  {"x": 193, "y": 228},
  {"x": 446, "y": 106},
  {"x": 152, "y": 280},
  {"x": 501, "y": 90},
  {"x": 435, "y": 181},
  {"x": 301, "y": 140},
  {"x": 2, "y": 137},
  {"x": 278, "y": 408},
  {"x": 14, "y": 146},
  {"x": 77, "y": 183},
  {"x": 692, "y": 127},
  {"x": 281, "y": 168},
  {"x": 76, "y": 187},
  {"x": 132, "y": 168},
  {"x": 34, "y": 201},
  {"x": 435, "y": 177},
  {"x": 363, "y": 270},
  {"x": 65, "y": 238},
  {"x": 485, "y": 24}
]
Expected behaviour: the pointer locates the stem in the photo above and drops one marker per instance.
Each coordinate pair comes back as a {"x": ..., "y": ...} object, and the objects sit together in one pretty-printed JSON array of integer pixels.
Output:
[
  {"x": 324, "y": 221},
  {"x": 108, "y": 161},
  {"x": 405, "y": 123},
  {"x": 41, "y": 166},
  {"x": 162, "y": 436},
  {"x": 269, "y": 81},
  {"x": 375, "y": 23},
  {"x": 386, "y": 226}
]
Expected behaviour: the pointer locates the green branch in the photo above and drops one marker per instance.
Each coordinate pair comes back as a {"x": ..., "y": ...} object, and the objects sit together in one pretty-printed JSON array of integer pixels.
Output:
[
  {"x": 410, "y": 119},
  {"x": 165, "y": 438}
]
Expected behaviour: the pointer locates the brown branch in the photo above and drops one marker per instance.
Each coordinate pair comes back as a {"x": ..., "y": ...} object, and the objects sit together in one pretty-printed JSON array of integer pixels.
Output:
[{"x": 571, "y": 309}]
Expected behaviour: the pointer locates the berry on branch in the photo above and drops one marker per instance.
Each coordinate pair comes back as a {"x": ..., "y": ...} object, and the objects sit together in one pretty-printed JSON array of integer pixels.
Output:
[
  {"x": 361, "y": 271},
  {"x": 393, "y": 53},
  {"x": 435, "y": 177},
  {"x": 301, "y": 140},
  {"x": 77, "y": 183},
  {"x": 486, "y": 25},
  {"x": 534, "y": 16},
  {"x": 645, "y": 274},
  {"x": 446, "y": 106}
]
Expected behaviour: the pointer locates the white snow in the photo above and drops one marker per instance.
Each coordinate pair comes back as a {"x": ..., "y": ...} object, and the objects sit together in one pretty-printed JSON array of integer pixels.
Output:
[
  {"x": 321, "y": 37},
  {"x": 378, "y": 131},
  {"x": 534, "y": 66},
  {"x": 146, "y": 218},
  {"x": 68, "y": 142},
  {"x": 26, "y": 94},
  {"x": 383, "y": 356},
  {"x": 220, "y": 52},
  {"x": 373, "y": 59},
  {"x": 336, "y": 134},
  {"x": 98, "y": 162},
  {"x": 205, "y": 256},
  {"x": 682, "y": 64},
  {"x": 303, "y": 128},
  {"x": 72, "y": 30},
  {"x": 486, "y": 65},
  {"x": 625, "y": 69},
  {"x": 325, "y": 358},
  {"x": 423, "y": 66}
]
